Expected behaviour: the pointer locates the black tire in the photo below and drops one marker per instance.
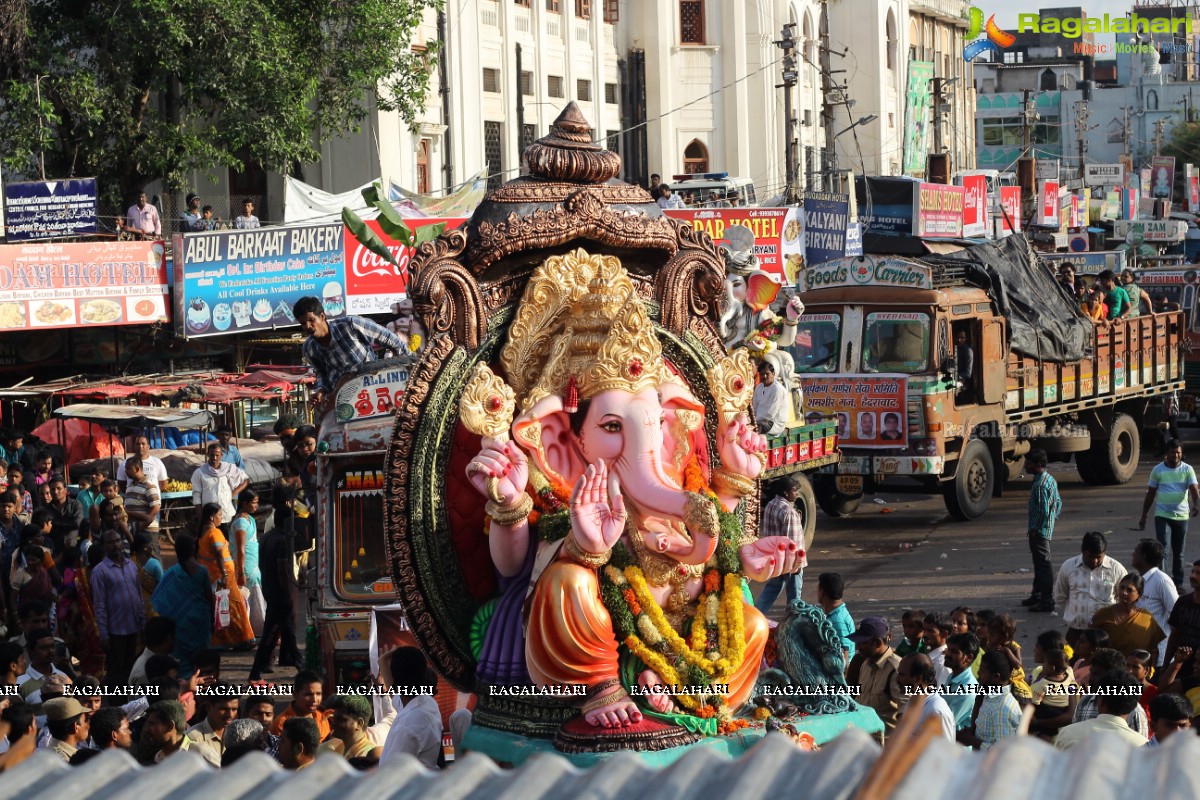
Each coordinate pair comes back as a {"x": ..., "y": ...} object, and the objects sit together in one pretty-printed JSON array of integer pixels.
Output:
[
  {"x": 1087, "y": 468},
  {"x": 806, "y": 504},
  {"x": 833, "y": 502},
  {"x": 969, "y": 493},
  {"x": 1115, "y": 460}
]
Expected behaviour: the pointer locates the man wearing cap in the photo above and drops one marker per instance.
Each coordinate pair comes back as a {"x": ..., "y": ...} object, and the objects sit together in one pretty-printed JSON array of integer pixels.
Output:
[
  {"x": 191, "y": 220},
  {"x": 874, "y": 669},
  {"x": 68, "y": 723}
]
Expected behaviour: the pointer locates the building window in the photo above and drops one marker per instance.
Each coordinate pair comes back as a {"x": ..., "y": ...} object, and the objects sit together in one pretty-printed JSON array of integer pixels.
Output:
[
  {"x": 583, "y": 9},
  {"x": 695, "y": 158},
  {"x": 527, "y": 83},
  {"x": 691, "y": 21},
  {"x": 612, "y": 140},
  {"x": 552, "y": 5},
  {"x": 1152, "y": 100},
  {"x": 891, "y": 40},
  {"x": 493, "y": 153},
  {"x": 523, "y": 3},
  {"x": 1049, "y": 81},
  {"x": 554, "y": 86},
  {"x": 612, "y": 11},
  {"x": 528, "y": 134},
  {"x": 610, "y": 93},
  {"x": 423, "y": 166},
  {"x": 583, "y": 90},
  {"x": 491, "y": 80}
]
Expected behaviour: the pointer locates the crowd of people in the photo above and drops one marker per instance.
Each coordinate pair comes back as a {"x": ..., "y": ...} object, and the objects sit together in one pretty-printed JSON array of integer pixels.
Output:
[
  {"x": 1111, "y": 296},
  {"x": 666, "y": 197}
]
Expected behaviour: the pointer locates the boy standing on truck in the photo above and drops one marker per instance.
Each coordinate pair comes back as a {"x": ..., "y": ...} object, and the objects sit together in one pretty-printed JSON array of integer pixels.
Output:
[
  {"x": 1114, "y": 296},
  {"x": 1170, "y": 484}
]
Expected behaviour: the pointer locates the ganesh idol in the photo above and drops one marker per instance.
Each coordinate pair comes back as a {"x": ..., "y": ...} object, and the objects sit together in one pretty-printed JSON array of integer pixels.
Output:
[{"x": 601, "y": 489}]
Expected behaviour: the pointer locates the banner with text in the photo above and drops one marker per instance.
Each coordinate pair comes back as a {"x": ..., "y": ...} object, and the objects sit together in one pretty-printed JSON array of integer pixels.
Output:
[
  {"x": 1048, "y": 208},
  {"x": 938, "y": 211},
  {"x": 234, "y": 281},
  {"x": 767, "y": 225},
  {"x": 975, "y": 205},
  {"x": 87, "y": 284},
  {"x": 917, "y": 110},
  {"x": 1010, "y": 211},
  {"x": 1192, "y": 187},
  {"x": 1104, "y": 175},
  {"x": 826, "y": 221},
  {"x": 50, "y": 209},
  {"x": 372, "y": 284},
  {"x": 870, "y": 409}
]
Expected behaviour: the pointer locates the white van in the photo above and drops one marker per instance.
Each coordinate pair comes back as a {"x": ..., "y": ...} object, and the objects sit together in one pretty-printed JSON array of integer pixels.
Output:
[{"x": 703, "y": 184}]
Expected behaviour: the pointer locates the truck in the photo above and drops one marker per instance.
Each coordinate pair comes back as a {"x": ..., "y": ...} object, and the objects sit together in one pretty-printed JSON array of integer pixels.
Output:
[
  {"x": 877, "y": 348},
  {"x": 1177, "y": 287}
]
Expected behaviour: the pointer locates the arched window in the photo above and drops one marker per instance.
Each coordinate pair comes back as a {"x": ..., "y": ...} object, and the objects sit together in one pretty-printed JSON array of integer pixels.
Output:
[
  {"x": 695, "y": 158},
  {"x": 1049, "y": 80},
  {"x": 914, "y": 40},
  {"x": 891, "y": 39},
  {"x": 1151, "y": 100},
  {"x": 423, "y": 167},
  {"x": 809, "y": 43}
]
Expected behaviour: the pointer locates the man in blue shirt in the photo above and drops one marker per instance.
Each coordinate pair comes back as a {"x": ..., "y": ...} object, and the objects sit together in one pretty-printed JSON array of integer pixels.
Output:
[
  {"x": 830, "y": 588},
  {"x": 1044, "y": 508},
  {"x": 232, "y": 454},
  {"x": 962, "y": 688}
]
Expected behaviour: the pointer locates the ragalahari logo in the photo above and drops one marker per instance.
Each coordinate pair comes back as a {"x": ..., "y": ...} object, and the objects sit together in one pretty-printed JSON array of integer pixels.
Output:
[{"x": 995, "y": 40}]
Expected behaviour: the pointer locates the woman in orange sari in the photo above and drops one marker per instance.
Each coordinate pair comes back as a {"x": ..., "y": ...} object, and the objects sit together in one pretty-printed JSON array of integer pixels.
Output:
[
  {"x": 213, "y": 554},
  {"x": 87, "y": 634}
]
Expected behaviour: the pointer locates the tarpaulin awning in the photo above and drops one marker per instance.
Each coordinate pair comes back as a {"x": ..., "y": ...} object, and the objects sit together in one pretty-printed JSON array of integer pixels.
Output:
[
  {"x": 137, "y": 416},
  {"x": 81, "y": 440},
  {"x": 305, "y": 203}
]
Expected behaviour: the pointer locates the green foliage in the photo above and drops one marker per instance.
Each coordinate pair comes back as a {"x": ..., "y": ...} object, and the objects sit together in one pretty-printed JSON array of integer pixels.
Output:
[
  {"x": 394, "y": 226},
  {"x": 144, "y": 89},
  {"x": 1184, "y": 145}
]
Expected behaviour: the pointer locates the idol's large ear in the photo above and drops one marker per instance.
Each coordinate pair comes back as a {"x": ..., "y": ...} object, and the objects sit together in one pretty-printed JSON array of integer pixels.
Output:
[{"x": 544, "y": 433}]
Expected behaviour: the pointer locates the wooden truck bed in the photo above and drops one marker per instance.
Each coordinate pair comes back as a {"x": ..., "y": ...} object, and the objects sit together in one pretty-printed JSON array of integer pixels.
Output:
[
  {"x": 801, "y": 449},
  {"x": 1136, "y": 357}
]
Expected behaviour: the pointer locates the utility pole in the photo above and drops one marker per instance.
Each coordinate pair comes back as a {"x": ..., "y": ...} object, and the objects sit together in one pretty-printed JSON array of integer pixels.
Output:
[
  {"x": 937, "y": 114},
  {"x": 787, "y": 43},
  {"x": 1081, "y": 118},
  {"x": 829, "y": 165},
  {"x": 1126, "y": 132},
  {"x": 1026, "y": 115},
  {"x": 1158, "y": 134}
]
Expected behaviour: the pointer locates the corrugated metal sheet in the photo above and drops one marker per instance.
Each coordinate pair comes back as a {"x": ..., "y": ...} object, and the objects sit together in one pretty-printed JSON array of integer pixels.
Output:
[{"x": 1107, "y": 769}]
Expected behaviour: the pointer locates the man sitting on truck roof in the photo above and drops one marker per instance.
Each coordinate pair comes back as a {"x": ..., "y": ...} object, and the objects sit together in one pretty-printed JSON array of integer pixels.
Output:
[{"x": 337, "y": 346}]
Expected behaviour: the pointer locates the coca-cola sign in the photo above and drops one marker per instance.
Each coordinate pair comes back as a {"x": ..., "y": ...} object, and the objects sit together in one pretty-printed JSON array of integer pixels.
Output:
[{"x": 373, "y": 284}]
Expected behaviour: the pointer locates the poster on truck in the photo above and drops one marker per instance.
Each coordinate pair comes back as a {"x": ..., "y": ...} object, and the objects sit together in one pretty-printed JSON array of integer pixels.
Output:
[
  {"x": 870, "y": 409},
  {"x": 373, "y": 284},
  {"x": 238, "y": 281},
  {"x": 89, "y": 284},
  {"x": 767, "y": 225}
]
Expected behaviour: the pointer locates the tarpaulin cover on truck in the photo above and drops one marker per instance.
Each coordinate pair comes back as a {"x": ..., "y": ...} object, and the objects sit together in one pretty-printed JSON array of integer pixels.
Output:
[{"x": 1043, "y": 322}]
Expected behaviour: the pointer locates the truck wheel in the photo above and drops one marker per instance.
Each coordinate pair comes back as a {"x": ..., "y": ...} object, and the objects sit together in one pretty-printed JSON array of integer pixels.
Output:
[
  {"x": 806, "y": 504},
  {"x": 1087, "y": 468},
  {"x": 1116, "y": 459},
  {"x": 833, "y": 502},
  {"x": 969, "y": 494}
]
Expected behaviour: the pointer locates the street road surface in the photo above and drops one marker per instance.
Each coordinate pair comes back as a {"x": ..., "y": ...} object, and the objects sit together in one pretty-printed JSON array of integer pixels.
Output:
[{"x": 909, "y": 553}]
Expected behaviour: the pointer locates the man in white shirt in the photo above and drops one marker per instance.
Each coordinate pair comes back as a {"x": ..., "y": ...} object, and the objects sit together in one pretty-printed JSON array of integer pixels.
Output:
[
  {"x": 417, "y": 728},
  {"x": 1160, "y": 593},
  {"x": 1086, "y": 583},
  {"x": 142, "y": 219},
  {"x": 916, "y": 677},
  {"x": 935, "y": 630},
  {"x": 153, "y": 467},
  {"x": 668, "y": 199},
  {"x": 770, "y": 401},
  {"x": 219, "y": 483},
  {"x": 40, "y": 646}
]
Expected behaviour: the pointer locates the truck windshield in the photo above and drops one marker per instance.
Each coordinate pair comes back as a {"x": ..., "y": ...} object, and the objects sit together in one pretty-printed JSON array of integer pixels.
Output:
[
  {"x": 896, "y": 342},
  {"x": 817, "y": 343},
  {"x": 360, "y": 566}
]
